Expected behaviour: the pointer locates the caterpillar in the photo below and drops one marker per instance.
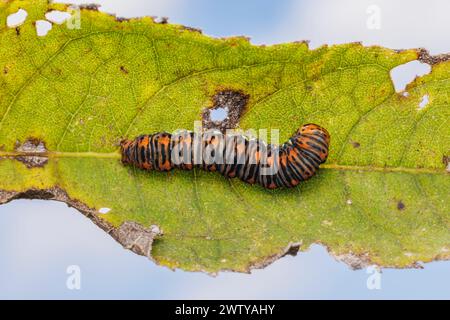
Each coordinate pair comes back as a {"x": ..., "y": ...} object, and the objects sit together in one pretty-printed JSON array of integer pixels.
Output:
[{"x": 232, "y": 155}]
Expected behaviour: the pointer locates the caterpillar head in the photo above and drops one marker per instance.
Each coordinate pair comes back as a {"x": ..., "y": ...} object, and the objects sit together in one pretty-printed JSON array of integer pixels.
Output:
[
  {"x": 315, "y": 139},
  {"x": 315, "y": 130}
]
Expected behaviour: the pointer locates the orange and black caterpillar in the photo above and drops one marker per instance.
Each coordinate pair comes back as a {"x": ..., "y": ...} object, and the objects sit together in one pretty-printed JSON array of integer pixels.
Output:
[{"x": 233, "y": 155}]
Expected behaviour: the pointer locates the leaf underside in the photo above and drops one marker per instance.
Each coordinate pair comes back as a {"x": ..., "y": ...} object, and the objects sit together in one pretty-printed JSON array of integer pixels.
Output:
[{"x": 381, "y": 198}]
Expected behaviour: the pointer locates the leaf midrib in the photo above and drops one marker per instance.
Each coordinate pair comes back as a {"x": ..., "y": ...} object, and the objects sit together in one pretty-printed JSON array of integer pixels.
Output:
[{"x": 116, "y": 155}]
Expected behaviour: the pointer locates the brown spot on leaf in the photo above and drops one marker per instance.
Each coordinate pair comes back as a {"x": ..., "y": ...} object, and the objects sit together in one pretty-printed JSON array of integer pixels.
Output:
[
  {"x": 89, "y": 6},
  {"x": 446, "y": 162},
  {"x": 121, "y": 19},
  {"x": 192, "y": 29},
  {"x": 233, "y": 102},
  {"x": 163, "y": 20},
  {"x": 32, "y": 153},
  {"x": 293, "y": 249},
  {"x": 35, "y": 194},
  {"x": 355, "y": 144},
  {"x": 355, "y": 261},
  {"x": 123, "y": 69},
  {"x": 5, "y": 70},
  {"x": 136, "y": 238},
  {"x": 18, "y": 31},
  {"x": 425, "y": 57},
  {"x": 57, "y": 71},
  {"x": 400, "y": 205}
]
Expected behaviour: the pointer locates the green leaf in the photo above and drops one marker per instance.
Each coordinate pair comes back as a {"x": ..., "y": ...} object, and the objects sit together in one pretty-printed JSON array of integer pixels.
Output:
[{"x": 382, "y": 197}]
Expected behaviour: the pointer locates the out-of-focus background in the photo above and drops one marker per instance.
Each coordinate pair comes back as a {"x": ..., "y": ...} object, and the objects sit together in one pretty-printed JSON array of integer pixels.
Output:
[{"x": 40, "y": 240}]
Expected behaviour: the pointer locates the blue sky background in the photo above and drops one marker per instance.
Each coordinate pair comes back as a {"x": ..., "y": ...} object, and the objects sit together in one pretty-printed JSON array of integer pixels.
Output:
[{"x": 40, "y": 239}]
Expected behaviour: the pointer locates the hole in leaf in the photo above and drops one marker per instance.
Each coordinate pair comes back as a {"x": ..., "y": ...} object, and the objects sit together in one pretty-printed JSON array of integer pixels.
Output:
[
  {"x": 16, "y": 19},
  {"x": 43, "y": 27},
  {"x": 405, "y": 73},
  {"x": 408, "y": 254},
  {"x": 57, "y": 17},
  {"x": 104, "y": 210},
  {"x": 423, "y": 103},
  {"x": 400, "y": 205},
  {"x": 219, "y": 114},
  {"x": 228, "y": 106},
  {"x": 155, "y": 229}
]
